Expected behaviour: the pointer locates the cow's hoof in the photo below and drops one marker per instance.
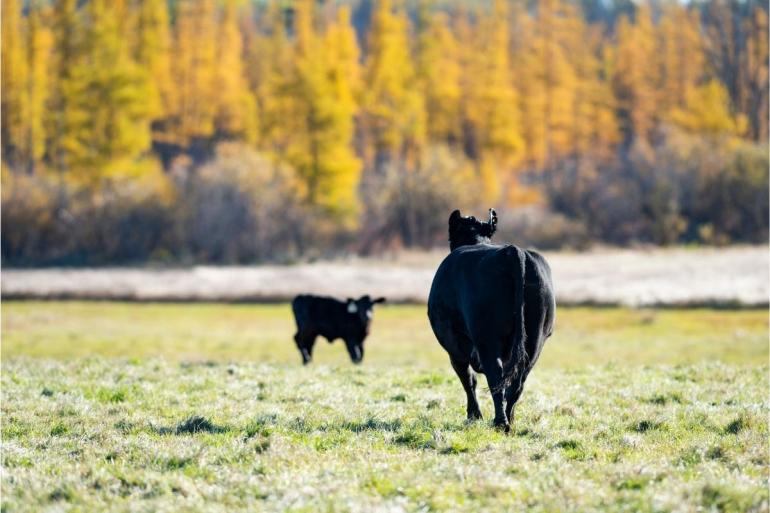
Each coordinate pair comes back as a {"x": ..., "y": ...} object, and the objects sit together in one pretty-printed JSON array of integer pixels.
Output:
[
  {"x": 503, "y": 426},
  {"x": 474, "y": 415}
]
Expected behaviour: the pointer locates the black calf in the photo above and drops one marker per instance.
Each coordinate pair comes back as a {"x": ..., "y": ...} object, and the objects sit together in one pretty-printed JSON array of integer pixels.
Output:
[{"x": 332, "y": 319}]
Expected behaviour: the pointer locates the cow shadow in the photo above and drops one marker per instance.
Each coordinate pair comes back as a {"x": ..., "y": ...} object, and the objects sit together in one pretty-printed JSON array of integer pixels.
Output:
[
  {"x": 372, "y": 424},
  {"x": 193, "y": 425}
]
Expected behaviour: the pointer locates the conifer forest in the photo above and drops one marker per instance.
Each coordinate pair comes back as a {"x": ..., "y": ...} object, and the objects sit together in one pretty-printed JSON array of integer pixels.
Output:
[{"x": 234, "y": 131}]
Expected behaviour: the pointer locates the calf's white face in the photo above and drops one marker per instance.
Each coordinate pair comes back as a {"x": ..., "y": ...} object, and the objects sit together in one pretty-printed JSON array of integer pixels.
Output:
[{"x": 363, "y": 309}]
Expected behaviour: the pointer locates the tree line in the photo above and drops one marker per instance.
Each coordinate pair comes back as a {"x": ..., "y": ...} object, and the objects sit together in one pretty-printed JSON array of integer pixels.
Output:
[{"x": 229, "y": 131}]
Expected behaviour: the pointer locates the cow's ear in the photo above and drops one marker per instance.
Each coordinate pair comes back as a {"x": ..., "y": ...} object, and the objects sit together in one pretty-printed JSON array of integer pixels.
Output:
[
  {"x": 352, "y": 306},
  {"x": 490, "y": 227},
  {"x": 379, "y": 300},
  {"x": 454, "y": 217}
]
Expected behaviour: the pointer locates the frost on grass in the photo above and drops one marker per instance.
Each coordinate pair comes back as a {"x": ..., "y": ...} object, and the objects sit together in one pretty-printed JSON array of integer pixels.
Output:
[{"x": 157, "y": 436}]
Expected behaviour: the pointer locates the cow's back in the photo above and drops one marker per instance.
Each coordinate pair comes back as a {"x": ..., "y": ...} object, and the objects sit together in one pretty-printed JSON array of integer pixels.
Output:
[
  {"x": 476, "y": 283},
  {"x": 472, "y": 289},
  {"x": 451, "y": 277}
]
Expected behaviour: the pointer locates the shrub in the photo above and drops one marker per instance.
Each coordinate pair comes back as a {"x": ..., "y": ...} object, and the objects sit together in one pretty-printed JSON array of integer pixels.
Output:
[
  {"x": 30, "y": 224},
  {"x": 49, "y": 221},
  {"x": 409, "y": 205},
  {"x": 688, "y": 188},
  {"x": 241, "y": 207}
]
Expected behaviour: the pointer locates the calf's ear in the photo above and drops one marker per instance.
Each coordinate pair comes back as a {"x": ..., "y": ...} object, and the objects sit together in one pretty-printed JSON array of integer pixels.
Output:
[
  {"x": 454, "y": 217},
  {"x": 379, "y": 300},
  {"x": 352, "y": 306}
]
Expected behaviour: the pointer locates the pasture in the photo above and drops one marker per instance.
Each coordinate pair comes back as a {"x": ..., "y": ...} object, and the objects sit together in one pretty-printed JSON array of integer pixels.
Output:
[{"x": 205, "y": 407}]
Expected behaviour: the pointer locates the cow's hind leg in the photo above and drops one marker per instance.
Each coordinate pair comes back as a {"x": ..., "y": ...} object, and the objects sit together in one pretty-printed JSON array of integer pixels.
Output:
[
  {"x": 512, "y": 394},
  {"x": 468, "y": 380},
  {"x": 493, "y": 369}
]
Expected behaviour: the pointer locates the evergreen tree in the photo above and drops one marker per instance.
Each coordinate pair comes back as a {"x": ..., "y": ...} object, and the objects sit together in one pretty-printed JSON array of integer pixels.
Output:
[
  {"x": 681, "y": 53},
  {"x": 756, "y": 59},
  {"x": 344, "y": 54},
  {"x": 68, "y": 32},
  {"x": 530, "y": 76},
  {"x": 465, "y": 32},
  {"x": 15, "y": 77},
  {"x": 236, "y": 115},
  {"x": 392, "y": 106},
  {"x": 153, "y": 53},
  {"x": 549, "y": 82},
  {"x": 636, "y": 76},
  {"x": 321, "y": 151},
  {"x": 438, "y": 72},
  {"x": 194, "y": 102},
  {"x": 107, "y": 123},
  {"x": 594, "y": 129},
  {"x": 737, "y": 51},
  {"x": 490, "y": 110},
  {"x": 270, "y": 64},
  {"x": 706, "y": 111},
  {"x": 39, "y": 43},
  {"x": 597, "y": 129}
]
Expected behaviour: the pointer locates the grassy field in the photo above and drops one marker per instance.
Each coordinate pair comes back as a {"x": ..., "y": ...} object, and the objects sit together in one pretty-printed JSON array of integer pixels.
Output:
[{"x": 148, "y": 407}]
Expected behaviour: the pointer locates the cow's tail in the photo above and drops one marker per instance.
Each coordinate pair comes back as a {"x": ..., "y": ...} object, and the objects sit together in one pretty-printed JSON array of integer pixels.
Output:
[{"x": 516, "y": 363}]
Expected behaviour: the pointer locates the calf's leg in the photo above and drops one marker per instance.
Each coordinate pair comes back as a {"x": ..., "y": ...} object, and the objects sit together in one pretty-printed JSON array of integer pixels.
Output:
[
  {"x": 468, "y": 380},
  {"x": 305, "y": 342}
]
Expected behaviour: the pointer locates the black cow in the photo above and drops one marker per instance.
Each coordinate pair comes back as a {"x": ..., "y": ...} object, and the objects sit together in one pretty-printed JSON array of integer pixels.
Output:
[
  {"x": 492, "y": 308},
  {"x": 332, "y": 319}
]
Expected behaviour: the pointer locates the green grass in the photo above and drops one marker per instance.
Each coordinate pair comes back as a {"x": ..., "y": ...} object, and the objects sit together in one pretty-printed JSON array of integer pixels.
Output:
[
  {"x": 118, "y": 407},
  {"x": 400, "y": 334}
]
